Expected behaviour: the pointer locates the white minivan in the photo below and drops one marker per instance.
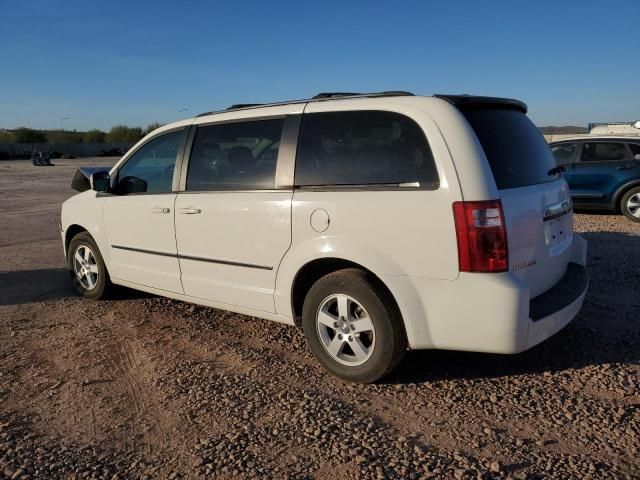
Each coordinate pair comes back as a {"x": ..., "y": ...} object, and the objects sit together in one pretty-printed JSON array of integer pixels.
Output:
[{"x": 376, "y": 222}]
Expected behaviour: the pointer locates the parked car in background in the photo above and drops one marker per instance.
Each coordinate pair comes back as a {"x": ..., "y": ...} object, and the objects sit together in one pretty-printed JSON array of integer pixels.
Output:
[
  {"x": 376, "y": 222},
  {"x": 603, "y": 173}
]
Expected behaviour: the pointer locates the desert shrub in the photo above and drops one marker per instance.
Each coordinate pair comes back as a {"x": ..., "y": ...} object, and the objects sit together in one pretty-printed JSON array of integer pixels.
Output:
[
  {"x": 64, "y": 136},
  {"x": 124, "y": 134},
  {"x": 94, "y": 136},
  {"x": 28, "y": 135},
  {"x": 6, "y": 137}
]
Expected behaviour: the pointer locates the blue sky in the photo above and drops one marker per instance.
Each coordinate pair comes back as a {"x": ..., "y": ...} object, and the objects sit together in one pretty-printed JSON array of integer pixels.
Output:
[{"x": 107, "y": 62}]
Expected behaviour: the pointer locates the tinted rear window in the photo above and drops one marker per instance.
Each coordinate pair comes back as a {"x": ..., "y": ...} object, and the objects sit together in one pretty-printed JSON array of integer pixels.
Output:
[
  {"x": 516, "y": 150},
  {"x": 363, "y": 148}
]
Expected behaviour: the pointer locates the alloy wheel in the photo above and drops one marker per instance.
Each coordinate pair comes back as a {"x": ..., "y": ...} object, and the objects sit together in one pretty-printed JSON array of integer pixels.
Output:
[
  {"x": 345, "y": 329},
  {"x": 85, "y": 267},
  {"x": 633, "y": 205}
]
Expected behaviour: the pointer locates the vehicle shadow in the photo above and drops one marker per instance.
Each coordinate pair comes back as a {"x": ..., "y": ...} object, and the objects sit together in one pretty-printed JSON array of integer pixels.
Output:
[
  {"x": 29, "y": 286},
  {"x": 606, "y": 331}
]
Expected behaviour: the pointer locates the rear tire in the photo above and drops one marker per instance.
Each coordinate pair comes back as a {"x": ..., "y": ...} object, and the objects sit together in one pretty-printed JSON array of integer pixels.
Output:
[
  {"x": 630, "y": 204},
  {"x": 352, "y": 326},
  {"x": 87, "y": 268}
]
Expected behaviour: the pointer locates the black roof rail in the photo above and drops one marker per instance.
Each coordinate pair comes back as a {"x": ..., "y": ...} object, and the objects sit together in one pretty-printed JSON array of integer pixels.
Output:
[
  {"x": 473, "y": 101},
  {"x": 317, "y": 98},
  {"x": 323, "y": 95},
  {"x": 236, "y": 106},
  {"x": 387, "y": 93}
]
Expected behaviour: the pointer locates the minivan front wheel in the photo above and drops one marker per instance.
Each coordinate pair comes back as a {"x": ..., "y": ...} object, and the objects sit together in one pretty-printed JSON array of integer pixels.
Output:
[
  {"x": 88, "y": 271},
  {"x": 630, "y": 204},
  {"x": 352, "y": 327}
]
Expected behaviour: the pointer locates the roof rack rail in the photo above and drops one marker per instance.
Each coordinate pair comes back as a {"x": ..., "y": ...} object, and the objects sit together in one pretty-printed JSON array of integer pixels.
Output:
[
  {"x": 323, "y": 95},
  {"x": 236, "y": 106},
  {"x": 388, "y": 93},
  {"x": 317, "y": 98}
]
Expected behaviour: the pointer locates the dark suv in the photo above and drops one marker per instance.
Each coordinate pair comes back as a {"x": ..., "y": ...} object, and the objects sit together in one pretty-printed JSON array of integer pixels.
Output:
[{"x": 603, "y": 172}]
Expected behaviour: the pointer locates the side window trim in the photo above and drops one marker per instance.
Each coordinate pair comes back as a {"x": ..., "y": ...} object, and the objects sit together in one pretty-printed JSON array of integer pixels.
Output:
[
  {"x": 184, "y": 165},
  {"x": 286, "y": 164},
  {"x": 179, "y": 159},
  {"x": 630, "y": 155}
]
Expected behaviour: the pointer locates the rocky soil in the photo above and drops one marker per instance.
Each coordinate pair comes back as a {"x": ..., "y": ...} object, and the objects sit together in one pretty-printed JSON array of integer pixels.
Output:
[{"x": 144, "y": 387}]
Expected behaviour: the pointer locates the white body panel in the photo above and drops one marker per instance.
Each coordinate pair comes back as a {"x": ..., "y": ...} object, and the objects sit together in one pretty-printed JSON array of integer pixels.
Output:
[
  {"x": 406, "y": 238},
  {"x": 233, "y": 228},
  {"x": 142, "y": 222},
  {"x": 539, "y": 250}
]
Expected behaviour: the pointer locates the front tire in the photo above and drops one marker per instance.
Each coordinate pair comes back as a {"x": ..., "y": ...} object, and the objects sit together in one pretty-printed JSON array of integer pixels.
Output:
[
  {"x": 630, "y": 204},
  {"x": 352, "y": 326},
  {"x": 88, "y": 270}
]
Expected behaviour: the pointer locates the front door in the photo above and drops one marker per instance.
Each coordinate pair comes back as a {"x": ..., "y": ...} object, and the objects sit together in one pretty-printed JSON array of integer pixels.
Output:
[
  {"x": 139, "y": 216},
  {"x": 232, "y": 225}
]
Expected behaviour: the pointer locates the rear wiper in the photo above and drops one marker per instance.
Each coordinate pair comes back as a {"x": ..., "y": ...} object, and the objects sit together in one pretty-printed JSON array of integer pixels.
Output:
[{"x": 556, "y": 170}]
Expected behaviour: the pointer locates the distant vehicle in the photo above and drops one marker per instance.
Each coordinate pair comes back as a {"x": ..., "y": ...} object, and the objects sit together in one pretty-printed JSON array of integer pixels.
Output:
[
  {"x": 376, "y": 222},
  {"x": 614, "y": 128},
  {"x": 41, "y": 159},
  {"x": 603, "y": 173},
  {"x": 113, "y": 152}
]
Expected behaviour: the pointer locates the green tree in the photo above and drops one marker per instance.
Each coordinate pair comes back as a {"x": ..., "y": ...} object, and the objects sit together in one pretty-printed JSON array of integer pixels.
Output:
[
  {"x": 6, "y": 137},
  {"x": 63, "y": 136},
  {"x": 28, "y": 135},
  {"x": 151, "y": 127},
  {"x": 124, "y": 134},
  {"x": 94, "y": 136}
]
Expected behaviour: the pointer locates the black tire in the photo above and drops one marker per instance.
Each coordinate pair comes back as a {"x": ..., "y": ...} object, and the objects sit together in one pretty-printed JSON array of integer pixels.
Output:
[
  {"x": 624, "y": 204},
  {"x": 390, "y": 339},
  {"x": 102, "y": 286}
]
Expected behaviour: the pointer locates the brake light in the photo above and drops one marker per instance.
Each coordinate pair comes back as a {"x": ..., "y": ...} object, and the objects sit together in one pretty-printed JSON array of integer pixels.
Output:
[{"x": 482, "y": 236}]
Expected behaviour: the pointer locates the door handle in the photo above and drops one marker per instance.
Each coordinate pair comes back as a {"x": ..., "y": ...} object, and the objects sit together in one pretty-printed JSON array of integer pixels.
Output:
[
  {"x": 160, "y": 210},
  {"x": 190, "y": 211},
  {"x": 625, "y": 167}
]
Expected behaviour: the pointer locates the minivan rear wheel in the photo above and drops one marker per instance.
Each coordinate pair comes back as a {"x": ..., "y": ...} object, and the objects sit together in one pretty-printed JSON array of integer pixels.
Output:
[
  {"x": 352, "y": 326},
  {"x": 630, "y": 204}
]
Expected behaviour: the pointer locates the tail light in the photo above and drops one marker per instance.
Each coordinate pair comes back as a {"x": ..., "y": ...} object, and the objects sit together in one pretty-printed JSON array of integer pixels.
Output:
[{"x": 482, "y": 236}]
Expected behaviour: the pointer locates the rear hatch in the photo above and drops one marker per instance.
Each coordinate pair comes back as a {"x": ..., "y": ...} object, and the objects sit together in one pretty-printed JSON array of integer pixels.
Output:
[{"x": 535, "y": 200}]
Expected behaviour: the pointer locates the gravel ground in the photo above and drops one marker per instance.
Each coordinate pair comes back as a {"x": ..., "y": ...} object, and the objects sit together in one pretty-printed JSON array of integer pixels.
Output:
[{"x": 145, "y": 387}]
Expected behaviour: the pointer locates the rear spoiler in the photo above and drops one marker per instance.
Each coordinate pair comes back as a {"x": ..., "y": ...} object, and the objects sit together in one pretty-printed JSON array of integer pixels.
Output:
[
  {"x": 82, "y": 179},
  {"x": 468, "y": 102}
]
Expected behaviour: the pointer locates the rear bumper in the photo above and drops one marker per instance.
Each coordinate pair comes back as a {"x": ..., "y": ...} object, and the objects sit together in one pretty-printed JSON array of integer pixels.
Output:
[
  {"x": 554, "y": 309},
  {"x": 491, "y": 313}
]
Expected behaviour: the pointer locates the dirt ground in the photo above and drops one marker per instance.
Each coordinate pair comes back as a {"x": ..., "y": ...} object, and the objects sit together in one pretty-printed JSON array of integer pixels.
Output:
[{"x": 144, "y": 387}]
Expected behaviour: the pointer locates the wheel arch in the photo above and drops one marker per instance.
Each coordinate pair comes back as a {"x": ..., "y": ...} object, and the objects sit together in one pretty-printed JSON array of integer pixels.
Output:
[
  {"x": 620, "y": 192},
  {"x": 315, "y": 269},
  {"x": 72, "y": 231}
]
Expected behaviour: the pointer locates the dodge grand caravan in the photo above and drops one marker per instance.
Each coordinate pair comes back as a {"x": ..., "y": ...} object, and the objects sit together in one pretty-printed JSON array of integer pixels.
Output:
[{"x": 376, "y": 222}]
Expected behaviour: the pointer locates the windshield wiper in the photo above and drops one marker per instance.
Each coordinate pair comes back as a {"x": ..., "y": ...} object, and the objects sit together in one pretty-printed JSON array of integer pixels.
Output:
[{"x": 556, "y": 170}]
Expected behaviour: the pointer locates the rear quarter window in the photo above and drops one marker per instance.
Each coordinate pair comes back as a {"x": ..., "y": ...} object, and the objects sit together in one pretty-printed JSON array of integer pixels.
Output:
[
  {"x": 363, "y": 148},
  {"x": 517, "y": 152}
]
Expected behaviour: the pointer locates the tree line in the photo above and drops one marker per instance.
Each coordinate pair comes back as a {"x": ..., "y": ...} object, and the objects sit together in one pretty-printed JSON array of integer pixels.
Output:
[{"x": 117, "y": 134}]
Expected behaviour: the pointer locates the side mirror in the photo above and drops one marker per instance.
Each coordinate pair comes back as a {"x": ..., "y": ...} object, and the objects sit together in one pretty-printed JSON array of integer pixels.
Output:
[
  {"x": 100, "y": 181},
  {"x": 637, "y": 156}
]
